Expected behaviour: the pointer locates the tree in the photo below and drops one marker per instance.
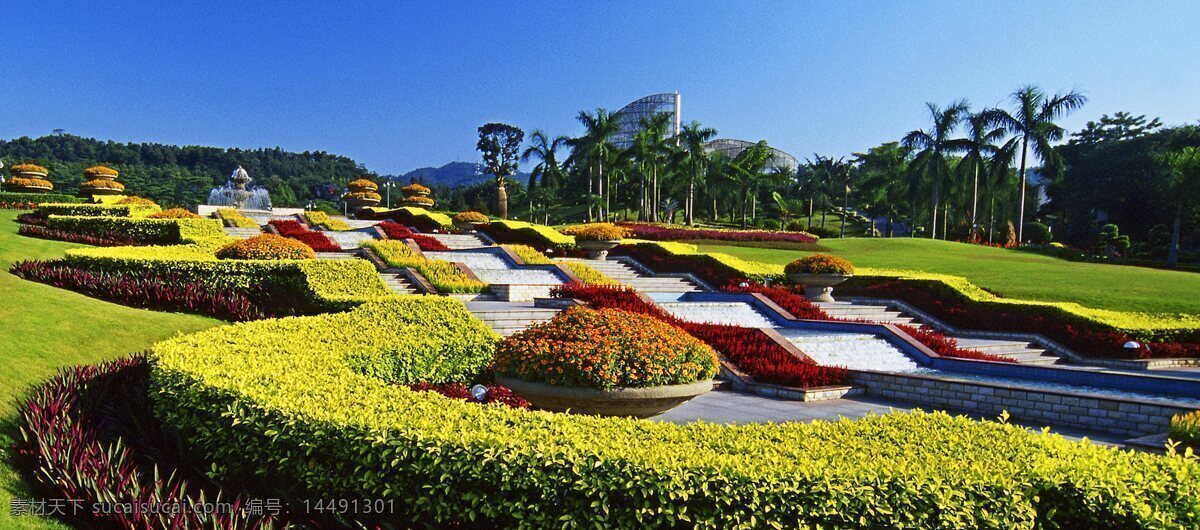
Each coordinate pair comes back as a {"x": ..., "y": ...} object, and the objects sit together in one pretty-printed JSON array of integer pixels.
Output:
[
  {"x": 1121, "y": 126},
  {"x": 499, "y": 143},
  {"x": 882, "y": 171},
  {"x": 934, "y": 145},
  {"x": 747, "y": 171},
  {"x": 1184, "y": 168},
  {"x": 1032, "y": 122},
  {"x": 691, "y": 139},
  {"x": 548, "y": 169},
  {"x": 592, "y": 150},
  {"x": 979, "y": 144}
]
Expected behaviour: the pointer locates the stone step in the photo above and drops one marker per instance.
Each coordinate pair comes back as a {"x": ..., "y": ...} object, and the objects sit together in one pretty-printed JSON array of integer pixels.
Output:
[{"x": 336, "y": 255}]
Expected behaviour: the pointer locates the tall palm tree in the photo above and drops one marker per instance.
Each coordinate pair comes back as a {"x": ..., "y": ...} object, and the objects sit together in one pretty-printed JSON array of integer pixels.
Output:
[
  {"x": 935, "y": 145},
  {"x": 748, "y": 171},
  {"x": 980, "y": 143},
  {"x": 691, "y": 139},
  {"x": 883, "y": 170},
  {"x": 548, "y": 169},
  {"x": 1184, "y": 169},
  {"x": 593, "y": 149},
  {"x": 1032, "y": 122},
  {"x": 997, "y": 178}
]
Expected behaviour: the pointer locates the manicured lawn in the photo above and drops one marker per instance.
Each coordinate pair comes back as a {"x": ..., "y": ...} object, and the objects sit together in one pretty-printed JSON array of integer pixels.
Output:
[
  {"x": 43, "y": 328},
  {"x": 1010, "y": 273}
]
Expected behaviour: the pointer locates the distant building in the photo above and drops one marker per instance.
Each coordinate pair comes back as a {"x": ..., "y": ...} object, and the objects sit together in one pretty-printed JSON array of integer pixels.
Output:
[{"x": 731, "y": 148}]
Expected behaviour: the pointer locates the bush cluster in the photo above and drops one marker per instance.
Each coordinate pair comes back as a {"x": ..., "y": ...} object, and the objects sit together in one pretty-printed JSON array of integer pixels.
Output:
[
  {"x": 445, "y": 276},
  {"x": 293, "y": 412},
  {"x": 655, "y": 232},
  {"x": 266, "y": 247},
  {"x": 604, "y": 349},
  {"x": 293, "y": 229},
  {"x": 1185, "y": 429},
  {"x": 819, "y": 264},
  {"x": 596, "y": 232},
  {"x": 470, "y": 217},
  {"x": 136, "y": 200},
  {"x": 173, "y": 213}
]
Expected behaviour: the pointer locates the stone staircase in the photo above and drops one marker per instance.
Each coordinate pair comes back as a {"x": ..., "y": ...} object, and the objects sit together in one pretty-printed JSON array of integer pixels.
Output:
[
  {"x": 510, "y": 317},
  {"x": 626, "y": 274},
  {"x": 242, "y": 233},
  {"x": 461, "y": 241},
  {"x": 1023, "y": 352},
  {"x": 345, "y": 254},
  {"x": 397, "y": 282}
]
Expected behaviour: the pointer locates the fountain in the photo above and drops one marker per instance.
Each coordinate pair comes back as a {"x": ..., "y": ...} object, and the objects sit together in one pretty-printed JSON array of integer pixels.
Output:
[{"x": 236, "y": 193}]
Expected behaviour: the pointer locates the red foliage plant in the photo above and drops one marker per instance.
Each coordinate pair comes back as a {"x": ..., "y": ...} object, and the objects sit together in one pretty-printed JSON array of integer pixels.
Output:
[
  {"x": 751, "y": 350},
  {"x": 315, "y": 240},
  {"x": 395, "y": 230},
  {"x": 495, "y": 393}
]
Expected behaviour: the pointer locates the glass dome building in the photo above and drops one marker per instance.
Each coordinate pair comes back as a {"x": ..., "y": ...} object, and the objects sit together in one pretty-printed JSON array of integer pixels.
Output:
[
  {"x": 629, "y": 118},
  {"x": 731, "y": 148}
]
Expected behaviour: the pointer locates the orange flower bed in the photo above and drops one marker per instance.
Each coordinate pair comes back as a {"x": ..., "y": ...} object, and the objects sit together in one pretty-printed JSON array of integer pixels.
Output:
[
  {"x": 414, "y": 188},
  {"x": 174, "y": 213},
  {"x": 99, "y": 171},
  {"x": 103, "y": 184},
  {"x": 418, "y": 199},
  {"x": 28, "y": 168},
  {"x": 470, "y": 217},
  {"x": 362, "y": 185},
  {"x": 605, "y": 348},
  {"x": 266, "y": 246},
  {"x": 19, "y": 182},
  {"x": 135, "y": 200},
  {"x": 819, "y": 264},
  {"x": 596, "y": 232},
  {"x": 362, "y": 195}
]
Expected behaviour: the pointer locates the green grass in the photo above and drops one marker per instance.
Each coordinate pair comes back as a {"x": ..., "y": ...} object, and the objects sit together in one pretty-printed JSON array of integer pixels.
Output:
[
  {"x": 44, "y": 329},
  {"x": 1009, "y": 273}
]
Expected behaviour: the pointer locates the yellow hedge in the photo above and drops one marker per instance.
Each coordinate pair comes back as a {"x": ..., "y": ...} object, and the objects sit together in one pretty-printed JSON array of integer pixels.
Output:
[
  {"x": 583, "y": 271},
  {"x": 444, "y": 276}
]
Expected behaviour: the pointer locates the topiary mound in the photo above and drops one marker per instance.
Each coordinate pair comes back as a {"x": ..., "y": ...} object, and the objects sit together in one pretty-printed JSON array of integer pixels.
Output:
[
  {"x": 605, "y": 348},
  {"x": 820, "y": 264},
  {"x": 266, "y": 246},
  {"x": 136, "y": 200},
  {"x": 470, "y": 217},
  {"x": 174, "y": 213},
  {"x": 596, "y": 232}
]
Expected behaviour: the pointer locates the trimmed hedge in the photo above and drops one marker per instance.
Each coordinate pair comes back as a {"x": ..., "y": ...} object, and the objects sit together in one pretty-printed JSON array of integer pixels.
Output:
[
  {"x": 444, "y": 276},
  {"x": 323, "y": 220},
  {"x": 413, "y": 216},
  {"x": 165, "y": 231},
  {"x": 97, "y": 210},
  {"x": 520, "y": 232},
  {"x": 44, "y": 232},
  {"x": 583, "y": 271},
  {"x": 262, "y": 405},
  {"x": 234, "y": 218},
  {"x": 664, "y": 232},
  {"x": 7, "y": 197}
]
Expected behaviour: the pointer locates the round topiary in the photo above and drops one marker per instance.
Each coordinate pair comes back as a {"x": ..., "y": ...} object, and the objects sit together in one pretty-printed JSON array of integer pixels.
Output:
[
  {"x": 102, "y": 184},
  {"x": 419, "y": 200},
  {"x": 174, "y": 213},
  {"x": 136, "y": 200},
  {"x": 470, "y": 217},
  {"x": 415, "y": 189},
  {"x": 100, "y": 172},
  {"x": 596, "y": 232},
  {"x": 29, "y": 169},
  {"x": 362, "y": 185},
  {"x": 605, "y": 348},
  {"x": 820, "y": 264},
  {"x": 266, "y": 246}
]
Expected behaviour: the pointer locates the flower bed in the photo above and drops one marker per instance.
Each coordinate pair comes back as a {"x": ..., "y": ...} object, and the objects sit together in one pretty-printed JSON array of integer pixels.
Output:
[
  {"x": 420, "y": 218},
  {"x": 461, "y": 392},
  {"x": 100, "y": 172},
  {"x": 1185, "y": 429},
  {"x": 136, "y": 200},
  {"x": 751, "y": 350},
  {"x": 234, "y": 218},
  {"x": 266, "y": 247},
  {"x": 32, "y": 219},
  {"x": 414, "y": 189},
  {"x": 28, "y": 168},
  {"x": 676, "y": 233},
  {"x": 173, "y": 213},
  {"x": 445, "y": 276},
  {"x": 18, "y": 182},
  {"x": 145, "y": 289},
  {"x": 470, "y": 217},
  {"x": 419, "y": 200},
  {"x": 88, "y": 435},
  {"x": 795, "y": 303},
  {"x": 596, "y": 232},
  {"x": 583, "y": 271},
  {"x": 293, "y": 412},
  {"x": 293, "y": 229},
  {"x": 394, "y": 230},
  {"x": 101, "y": 184},
  {"x": 323, "y": 220},
  {"x": 819, "y": 264},
  {"x": 604, "y": 349},
  {"x": 519, "y": 232},
  {"x": 45, "y": 232}
]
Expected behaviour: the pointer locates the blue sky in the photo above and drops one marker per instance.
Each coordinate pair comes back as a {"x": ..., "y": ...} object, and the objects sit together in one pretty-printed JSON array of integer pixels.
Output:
[{"x": 404, "y": 85}]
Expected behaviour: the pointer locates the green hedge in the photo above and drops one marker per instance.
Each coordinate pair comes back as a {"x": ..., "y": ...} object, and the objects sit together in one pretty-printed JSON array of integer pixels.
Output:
[
  {"x": 37, "y": 198},
  {"x": 164, "y": 231},
  {"x": 326, "y": 285},
  {"x": 97, "y": 210},
  {"x": 279, "y": 401}
]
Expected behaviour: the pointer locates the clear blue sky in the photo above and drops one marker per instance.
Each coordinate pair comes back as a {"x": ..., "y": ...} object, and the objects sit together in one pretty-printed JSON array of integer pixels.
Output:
[{"x": 403, "y": 85}]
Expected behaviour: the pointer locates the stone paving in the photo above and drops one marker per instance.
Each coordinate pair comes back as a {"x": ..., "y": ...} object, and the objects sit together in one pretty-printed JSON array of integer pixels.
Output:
[{"x": 729, "y": 407}]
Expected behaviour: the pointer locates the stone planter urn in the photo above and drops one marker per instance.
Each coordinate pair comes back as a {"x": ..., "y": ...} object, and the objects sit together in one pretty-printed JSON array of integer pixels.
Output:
[
  {"x": 818, "y": 287},
  {"x": 627, "y": 402},
  {"x": 598, "y": 250},
  {"x": 468, "y": 226}
]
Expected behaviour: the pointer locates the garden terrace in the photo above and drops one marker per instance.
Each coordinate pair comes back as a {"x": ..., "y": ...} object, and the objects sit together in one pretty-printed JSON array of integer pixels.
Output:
[{"x": 657, "y": 232}]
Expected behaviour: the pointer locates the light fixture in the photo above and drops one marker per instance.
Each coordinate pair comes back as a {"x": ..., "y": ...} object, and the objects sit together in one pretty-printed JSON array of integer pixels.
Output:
[{"x": 479, "y": 392}]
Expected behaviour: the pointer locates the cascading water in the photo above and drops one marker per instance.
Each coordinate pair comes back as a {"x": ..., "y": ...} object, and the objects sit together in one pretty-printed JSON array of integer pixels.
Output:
[{"x": 237, "y": 193}]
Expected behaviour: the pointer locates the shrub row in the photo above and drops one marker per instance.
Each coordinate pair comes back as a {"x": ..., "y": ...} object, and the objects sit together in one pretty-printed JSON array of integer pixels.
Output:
[
  {"x": 161, "y": 231},
  {"x": 794, "y": 302},
  {"x": 749, "y": 349},
  {"x": 44, "y": 232},
  {"x": 303, "y": 286},
  {"x": 445, "y": 276},
  {"x": 32, "y": 219},
  {"x": 679, "y": 233},
  {"x": 148, "y": 290},
  {"x": 7, "y": 197},
  {"x": 234, "y": 218},
  {"x": 323, "y": 220},
  {"x": 293, "y": 229},
  {"x": 97, "y": 210},
  {"x": 420, "y": 218},
  {"x": 88, "y": 435},
  {"x": 586, "y": 273},
  {"x": 292, "y": 412},
  {"x": 519, "y": 232}
]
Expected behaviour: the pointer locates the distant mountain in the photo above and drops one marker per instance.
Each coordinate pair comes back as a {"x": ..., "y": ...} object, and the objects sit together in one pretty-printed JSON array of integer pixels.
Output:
[{"x": 452, "y": 175}]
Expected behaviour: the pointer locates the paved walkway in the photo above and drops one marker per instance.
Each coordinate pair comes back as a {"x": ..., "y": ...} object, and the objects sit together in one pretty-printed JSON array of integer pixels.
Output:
[{"x": 730, "y": 407}]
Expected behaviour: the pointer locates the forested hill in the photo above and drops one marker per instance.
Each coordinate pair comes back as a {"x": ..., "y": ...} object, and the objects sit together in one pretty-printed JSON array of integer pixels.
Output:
[{"x": 176, "y": 175}]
